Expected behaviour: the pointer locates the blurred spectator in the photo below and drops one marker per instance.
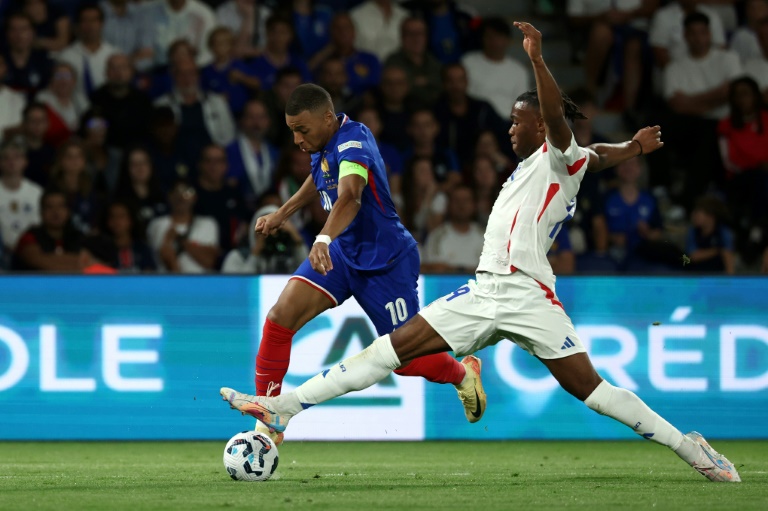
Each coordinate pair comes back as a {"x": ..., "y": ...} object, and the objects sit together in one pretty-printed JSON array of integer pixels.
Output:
[
  {"x": 54, "y": 245},
  {"x": 450, "y": 27},
  {"x": 312, "y": 23},
  {"x": 52, "y": 27},
  {"x": 169, "y": 162},
  {"x": 389, "y": 153},
  {"x": 378, "y": 27},
  {"x": 667, "y": 35},
  {"x": 292, "y": 170},
  {"x": 363, "y": 68},
  {"x": 19, "y": 197},
  {"x": 494, "y": 76},
  {"x": 218, "y": 199},
  {"x": 129, "y": 253},
  {"x": 71, "y": 176},
  {"x": 172, "y": 20},
  {"x": 744, "y": 40},
  {"x": 422, "y": 68},
  {"x": 28, "y": 68},
  {"x": 394, "y": 107},
  {"x": 286, "y": 81},
  {"x": 40, "y": 156},
  {"x": 64, "y": 102},
  {"x": 202, "y": 118},
  {"x": 12, "y": 104},
  {"x": 139, "y": 187},
  {"x": 251, "y": 159},
  {"x": 744, "y": 150},
  {"x": 560, "y": 255},
  {"x": 183, "y": 242},
  {"x": 89, "y": 53},
  {"x": 709, "y": 243},
  {"x": 632, "y": 216},
  {"x": 424, "y": 203},
  {"x": 487, "y": 145},
  {"x": 332, "y": 76},
  {"x": 462, "y": 117},
  {"x": 159, "y": 81},
  {"x": 455, "y": 246},
  {"x": 227, "y": 75},
  {"x": 277, "y": 54},
  {"x": 125, "y": 108},
  {"x": 423, "y": 130},
  {"x": 757, "y": 67},
  {"x": 485, "y": 183},
  {"x": 103, "y": 162},
  {"x": 696, "y": 90},
  {"x": 247, "y": 20},
  {"x": 280, "y": 253},
  {"x": 614, "y": 27},
  {"x": 127, "y": 29}
]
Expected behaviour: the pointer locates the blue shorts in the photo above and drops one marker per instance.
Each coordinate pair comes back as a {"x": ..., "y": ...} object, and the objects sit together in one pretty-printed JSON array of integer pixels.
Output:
[{"x": 389, "y": 297}]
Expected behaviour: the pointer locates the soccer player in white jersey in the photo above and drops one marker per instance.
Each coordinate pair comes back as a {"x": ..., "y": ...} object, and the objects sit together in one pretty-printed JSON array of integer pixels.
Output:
[{"x": 513, "y": 296}]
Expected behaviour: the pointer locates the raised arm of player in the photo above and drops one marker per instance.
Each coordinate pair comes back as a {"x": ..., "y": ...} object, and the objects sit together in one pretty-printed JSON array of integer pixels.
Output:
[
  {"x": 603, "y": 156},
  {"x": 271, "y": 224},
  {"x": 550, "y": 98},
  {"x": 348, "y": 202}
]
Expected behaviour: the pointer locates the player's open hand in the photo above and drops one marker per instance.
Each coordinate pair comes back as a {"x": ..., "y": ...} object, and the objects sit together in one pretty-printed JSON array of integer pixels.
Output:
[
  {"x": 531, "y": 39},
  {"x": 649, "y": 138},
  {"x": 269, "y": 224},
  {"x": 320, "y": 258}
]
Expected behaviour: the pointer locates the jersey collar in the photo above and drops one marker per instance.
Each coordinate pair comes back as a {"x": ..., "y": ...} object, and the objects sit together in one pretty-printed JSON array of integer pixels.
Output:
[{"x": 343, "y": 119}]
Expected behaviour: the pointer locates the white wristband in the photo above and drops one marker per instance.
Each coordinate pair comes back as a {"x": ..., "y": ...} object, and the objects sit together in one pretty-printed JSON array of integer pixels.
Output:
[{"x": 322, "y": 238}]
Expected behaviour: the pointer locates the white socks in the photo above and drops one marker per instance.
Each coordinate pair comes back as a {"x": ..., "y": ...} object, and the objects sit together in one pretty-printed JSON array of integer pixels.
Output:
[
  {"x": 358, "y": 372},
  {"x": 630, "y": 410}
]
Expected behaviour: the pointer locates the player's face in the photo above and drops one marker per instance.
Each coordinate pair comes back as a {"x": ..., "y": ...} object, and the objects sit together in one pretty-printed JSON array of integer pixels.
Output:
[
  {"x": 311, "y": 130},
  {"x": 527, "y": 130}
]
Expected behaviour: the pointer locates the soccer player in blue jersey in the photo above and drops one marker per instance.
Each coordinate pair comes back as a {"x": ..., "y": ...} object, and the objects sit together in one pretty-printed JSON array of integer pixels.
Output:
[{"x": 363, "y": 251}]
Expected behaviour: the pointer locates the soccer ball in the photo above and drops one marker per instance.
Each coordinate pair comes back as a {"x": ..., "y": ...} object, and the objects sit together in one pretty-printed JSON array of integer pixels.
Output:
[{"x": 250, "y": 456}]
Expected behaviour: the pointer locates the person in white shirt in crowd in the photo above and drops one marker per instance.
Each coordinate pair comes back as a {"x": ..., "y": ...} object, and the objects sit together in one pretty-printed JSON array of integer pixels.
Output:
[
  {"x": 494, "y": 76},
  {"x": 281, "y": 253},
  {"x": 12, "y": 104},
  {"x": 65, "y": 103},
  {"x": 377, "y": 26},
  {"x": 89, "y": 53},
  {"x": 744, "y": 39},
  {"x": 172, "y": 20},
  {"x": 455, "y": 246},
  {"x": 181, "y": 241},
  {"x": 126, "y": 28},
  {"x": 757, "y": 67},
  {"x": 666, "y": 35},
  {"x": 19, "y": 197},
  {"x": 247, "y": 19}
]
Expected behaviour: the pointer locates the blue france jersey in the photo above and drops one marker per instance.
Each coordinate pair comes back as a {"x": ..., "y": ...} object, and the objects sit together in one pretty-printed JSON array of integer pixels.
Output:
[{"x": 375, "y": 239}]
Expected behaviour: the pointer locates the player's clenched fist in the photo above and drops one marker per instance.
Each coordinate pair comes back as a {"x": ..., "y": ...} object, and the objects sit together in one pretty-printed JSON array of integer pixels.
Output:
[
  {"x": 269, "y": 224},
  {"x": 320, "y": 258},
  {"x": 649, "y": 139}
]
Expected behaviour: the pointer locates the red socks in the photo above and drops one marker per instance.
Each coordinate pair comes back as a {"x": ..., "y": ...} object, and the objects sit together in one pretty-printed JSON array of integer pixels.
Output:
[
  {"x": 438, "y": 368},
  {"x": 273, "y": 358}
]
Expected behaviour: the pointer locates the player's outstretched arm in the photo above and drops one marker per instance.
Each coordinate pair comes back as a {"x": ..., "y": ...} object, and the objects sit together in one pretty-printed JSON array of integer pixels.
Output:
[
  {"x": 603, "y": 156},
  {"x": 271, "y": 224},
  {"x": 550, "y": 98}
]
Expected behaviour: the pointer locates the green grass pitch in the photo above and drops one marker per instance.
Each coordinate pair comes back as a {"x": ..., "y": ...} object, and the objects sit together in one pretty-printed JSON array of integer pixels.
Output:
[{"x": 467, "y": 476}]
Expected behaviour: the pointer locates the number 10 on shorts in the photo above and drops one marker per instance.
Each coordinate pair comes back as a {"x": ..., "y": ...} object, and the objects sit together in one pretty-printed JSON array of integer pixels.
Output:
[{"x": 398, "y": 310}]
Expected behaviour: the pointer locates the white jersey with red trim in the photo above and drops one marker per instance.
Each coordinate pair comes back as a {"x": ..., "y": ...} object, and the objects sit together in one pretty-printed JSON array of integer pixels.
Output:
[{"x": 530, "y": 210}]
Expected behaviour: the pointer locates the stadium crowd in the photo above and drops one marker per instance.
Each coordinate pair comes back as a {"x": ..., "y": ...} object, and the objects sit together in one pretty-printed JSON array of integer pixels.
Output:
[{"x": 149, "y": 136}]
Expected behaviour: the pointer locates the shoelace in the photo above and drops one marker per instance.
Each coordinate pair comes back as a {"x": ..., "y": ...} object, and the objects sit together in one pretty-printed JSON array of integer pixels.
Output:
[{"x": 271, "y": 388}]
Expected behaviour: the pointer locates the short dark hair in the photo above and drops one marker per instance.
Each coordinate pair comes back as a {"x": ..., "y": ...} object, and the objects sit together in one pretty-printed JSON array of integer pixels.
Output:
[
  {"x": 276, "y": 19},
  {"x": 497, "y": 24},
  {"x": 51, "y": 192},
  {"x": 288, "y": 71},
  {"x": 570, "y": 109},
  {"x": 695, "y": 17},
  {"x": 308, "y": 96},
  {"x": 89, "y": 6},
  {"x": 33, "y": 105}
]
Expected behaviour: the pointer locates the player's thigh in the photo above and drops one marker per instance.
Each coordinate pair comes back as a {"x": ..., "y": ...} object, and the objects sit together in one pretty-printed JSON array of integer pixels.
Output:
[
  {"x": 465, "y": 318},
  {"x": 309, "y": 293},
  {"x": 389, "y": 298}
]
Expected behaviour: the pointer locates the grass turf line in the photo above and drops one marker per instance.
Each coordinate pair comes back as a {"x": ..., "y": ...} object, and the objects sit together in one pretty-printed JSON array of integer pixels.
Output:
[{"x": 376, "y": 475}]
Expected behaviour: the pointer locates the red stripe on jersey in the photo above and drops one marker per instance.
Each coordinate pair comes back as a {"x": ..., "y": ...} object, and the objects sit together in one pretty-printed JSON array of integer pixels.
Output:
[
  {"x": 553, "y": 189},
  {"x": 550, "y": 295},
  {"x": 514, "y": 220},
  {"x": 545, "y": 147},
  {"x": 372, "y": 183},
  {"x": 572, "y": 169}
]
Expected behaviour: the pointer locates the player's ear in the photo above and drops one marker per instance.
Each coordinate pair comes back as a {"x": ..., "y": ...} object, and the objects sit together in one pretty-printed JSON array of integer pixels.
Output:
[{"x": 541, "y": 127}]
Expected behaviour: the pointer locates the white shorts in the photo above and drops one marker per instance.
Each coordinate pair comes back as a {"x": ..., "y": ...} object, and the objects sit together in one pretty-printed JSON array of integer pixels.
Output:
[{"x": 495, "y": 307}]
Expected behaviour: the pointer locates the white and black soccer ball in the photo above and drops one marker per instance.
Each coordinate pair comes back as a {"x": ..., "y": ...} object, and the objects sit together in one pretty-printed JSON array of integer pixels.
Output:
[{"x": 250, "y": 456}]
